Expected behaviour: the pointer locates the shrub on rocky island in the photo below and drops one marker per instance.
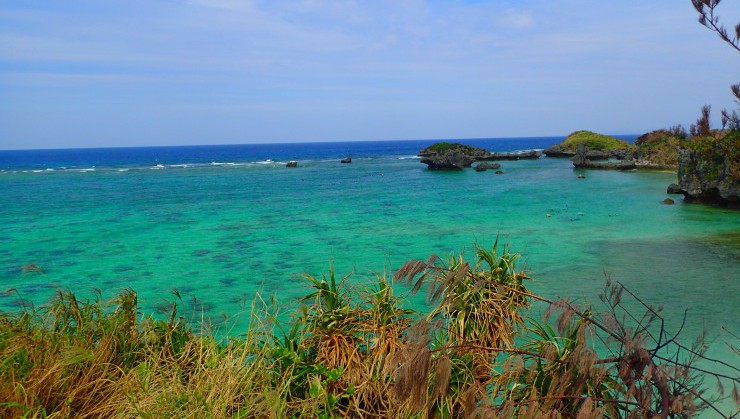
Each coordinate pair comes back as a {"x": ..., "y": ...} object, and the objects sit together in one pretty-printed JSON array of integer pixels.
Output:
[{"x": 610, "y": 146}]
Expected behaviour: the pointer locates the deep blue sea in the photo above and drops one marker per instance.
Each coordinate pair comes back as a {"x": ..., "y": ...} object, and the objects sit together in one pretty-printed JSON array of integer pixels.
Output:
[
  {"x": 221, "y": 223},
  {"x": 138, "y": 157}
]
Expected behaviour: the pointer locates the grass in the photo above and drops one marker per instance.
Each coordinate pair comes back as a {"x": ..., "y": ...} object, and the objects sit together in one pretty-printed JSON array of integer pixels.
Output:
[
  {"x": 443, "y": 147},
  {"x": 593, "y": 141},
  {"x": 717, "y": 151},
  {"x": 660, "y": 147},
  {"x": 357, "y": 352}
]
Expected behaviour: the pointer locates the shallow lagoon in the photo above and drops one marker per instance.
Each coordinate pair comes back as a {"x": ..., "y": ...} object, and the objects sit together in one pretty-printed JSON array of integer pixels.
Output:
[{"x": 223, "y": 232}]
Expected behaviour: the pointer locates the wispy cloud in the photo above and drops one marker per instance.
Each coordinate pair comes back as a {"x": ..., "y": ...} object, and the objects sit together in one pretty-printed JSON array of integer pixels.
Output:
[
  {"x": 517, "y": 19},
  {"x": 395, "y": 59}
]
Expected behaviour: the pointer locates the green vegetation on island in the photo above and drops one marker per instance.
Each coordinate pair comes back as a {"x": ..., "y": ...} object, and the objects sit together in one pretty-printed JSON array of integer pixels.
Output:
[
  {"x": 482, "y": 351},
  {"x": 722, "y": 145},
  {"x": 444, "y": 147},
  {"x": 709, "y": 168},
  {"x": 660, "y": 147},
  {"x": 591, "y": 140}
]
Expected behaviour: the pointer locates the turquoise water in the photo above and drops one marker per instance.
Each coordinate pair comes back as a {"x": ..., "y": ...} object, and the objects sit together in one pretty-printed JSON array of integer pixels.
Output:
[{"x": 223, "y": 232}]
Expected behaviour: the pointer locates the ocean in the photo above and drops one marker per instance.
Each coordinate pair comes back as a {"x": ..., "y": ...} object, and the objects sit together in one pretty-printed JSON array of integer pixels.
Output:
[{"x": 221, "y": 223}]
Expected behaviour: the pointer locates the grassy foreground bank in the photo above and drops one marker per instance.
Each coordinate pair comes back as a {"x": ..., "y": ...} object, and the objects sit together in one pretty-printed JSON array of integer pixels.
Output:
[{"x": 480, "y": 352}]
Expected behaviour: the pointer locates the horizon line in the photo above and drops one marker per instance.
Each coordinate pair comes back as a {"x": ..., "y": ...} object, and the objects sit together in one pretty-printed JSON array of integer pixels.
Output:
[{"x": 297, "y": 142}]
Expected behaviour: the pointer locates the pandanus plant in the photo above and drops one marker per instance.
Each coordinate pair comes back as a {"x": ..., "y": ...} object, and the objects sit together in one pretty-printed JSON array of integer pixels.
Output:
[
  {"x": 334, "y": 327},
  {"x": 479, "y": 308}
]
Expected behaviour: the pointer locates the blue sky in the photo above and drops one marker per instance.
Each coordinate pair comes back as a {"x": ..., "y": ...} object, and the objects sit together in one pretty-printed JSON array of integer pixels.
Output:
[{"x": 166, "y": 72}]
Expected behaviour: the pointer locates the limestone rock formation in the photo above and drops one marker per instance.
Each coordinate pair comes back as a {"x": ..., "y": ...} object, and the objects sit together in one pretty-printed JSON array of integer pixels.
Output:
[
  {"x": 674, "y": 189},
  {"x": 581, "y": 161},
  {"x": 456, "y": 156},
  {"x": 482, "y": 167},
  {"x": 451, "y": 156},
  {"x": 709, "y": 177},
  {"x": 523, "y": 155}
]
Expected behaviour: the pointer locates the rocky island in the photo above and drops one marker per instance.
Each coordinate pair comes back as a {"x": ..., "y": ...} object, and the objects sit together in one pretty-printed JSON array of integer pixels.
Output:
[
  {"x": 583, "y": 160},
  {"x": 708, "y": 165},
  {"x": 709, "y": 169},
  {"x": 456, "y": 156},
  {"x": 451, "y": 156},
  {"x": 656, "y": 150},
  {"x": 597, "y": 146}
]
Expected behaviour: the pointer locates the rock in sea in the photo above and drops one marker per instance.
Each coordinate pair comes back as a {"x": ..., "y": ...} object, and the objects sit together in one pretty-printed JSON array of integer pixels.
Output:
[
  {"x": 674, "y": 189},
  {"x": 292, "y": 163},
  {"x": 482, "y": 167},
  {"x": 581, "y": 161},
  {"x": 451, "y": 156},
  {"x": 710, "y": 177}
]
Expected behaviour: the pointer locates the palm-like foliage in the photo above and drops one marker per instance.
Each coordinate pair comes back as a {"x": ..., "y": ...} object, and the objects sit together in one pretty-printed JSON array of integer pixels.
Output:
[
  {"x": 473, "y": 355},
  {"x": 334, "y": 326},
  {"x": 557, "y": 372},
  {"x": 385, "y": 326},
  {"x": 480, "y": 306}
]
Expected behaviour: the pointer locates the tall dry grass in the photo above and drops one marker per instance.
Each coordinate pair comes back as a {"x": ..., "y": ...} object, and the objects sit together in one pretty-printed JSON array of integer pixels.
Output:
[{"x": 358, "y": 352}]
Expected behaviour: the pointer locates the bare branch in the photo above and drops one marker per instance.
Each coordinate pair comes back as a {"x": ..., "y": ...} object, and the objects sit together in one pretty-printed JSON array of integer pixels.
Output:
[{"x": 708, "y": 18}]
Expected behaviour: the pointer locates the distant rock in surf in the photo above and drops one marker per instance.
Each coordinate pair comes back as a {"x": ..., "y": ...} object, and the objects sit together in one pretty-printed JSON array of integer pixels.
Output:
[
  {"x": 516, "y": 155},
  {"x": 292, "y": 163},
  {"x": 582, "y": 161},
  {"x": 346, "y": 160},
  {"x": 451, "y": 156},
  {"x": 456, "y": 156},
  {"x": 482, "y": 167}
]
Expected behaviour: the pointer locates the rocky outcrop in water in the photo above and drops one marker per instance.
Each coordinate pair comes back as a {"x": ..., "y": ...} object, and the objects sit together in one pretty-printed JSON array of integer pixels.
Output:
[
  {"x": 346, "y": 160},
  {"x": 482, "y": 167},
  {"x": 523, "y": 155},
  {"x": 619, "y": 154},
  {"x": 582, "y": 161},
  {"x": 709, "y": 177},
  {"x": 451, "y": 160},
  {"x": 674, "y": 189},
  {"x": 655, "y": 150},
  {"x": 292, "y": 163},
  {"x": 557, "y": 151},
  {"x": 455, "y": 156},
  {"x": 451, "y": 156}
]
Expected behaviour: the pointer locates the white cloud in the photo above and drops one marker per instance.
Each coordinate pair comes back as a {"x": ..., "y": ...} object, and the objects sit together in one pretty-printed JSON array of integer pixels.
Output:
[
  {"x": 402, "y": 58},
  {"x": 230, "y": 5},
  {"x": 517, "y": 19}
]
